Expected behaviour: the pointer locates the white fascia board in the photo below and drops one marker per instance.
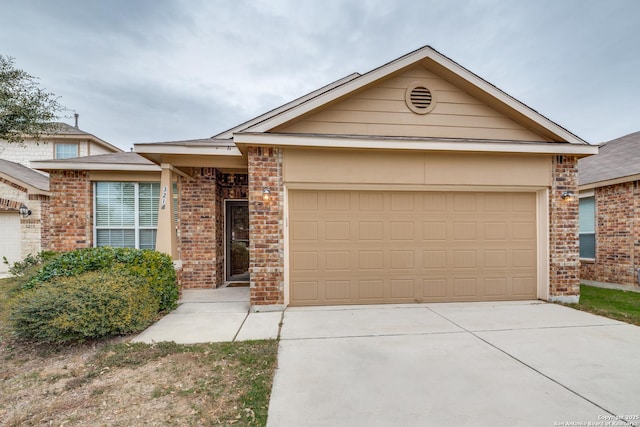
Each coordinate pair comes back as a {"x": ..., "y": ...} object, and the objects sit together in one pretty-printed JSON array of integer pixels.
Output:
[
  {"x": 186, "y": 149},
  {"x": 268, "y": 115},
  {"x": 405, "y": 144},
  {"x": 507, "y": 99},
  {"x": 52, "y": 165},
  {"x": 336, "y": 93},
  {"x": 30, "y": 188},
  {"x": 399, "y": 64},
  {"x": 608, "y": 182}
]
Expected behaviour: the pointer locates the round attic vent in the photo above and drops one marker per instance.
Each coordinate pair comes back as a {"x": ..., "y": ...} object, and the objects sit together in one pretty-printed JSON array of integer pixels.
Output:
[{"x": 419, "y": 98}]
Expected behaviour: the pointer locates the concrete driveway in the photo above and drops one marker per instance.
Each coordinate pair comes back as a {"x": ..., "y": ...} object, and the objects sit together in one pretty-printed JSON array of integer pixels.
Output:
[{"x": 477, "y": 364}]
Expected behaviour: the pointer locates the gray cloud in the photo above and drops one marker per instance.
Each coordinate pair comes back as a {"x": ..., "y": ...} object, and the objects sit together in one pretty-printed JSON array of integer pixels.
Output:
[{"x": 151, "y": 70}]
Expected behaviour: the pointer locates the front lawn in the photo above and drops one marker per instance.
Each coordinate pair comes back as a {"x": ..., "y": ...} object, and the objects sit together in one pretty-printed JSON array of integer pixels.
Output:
[
  {"x": 612, "y": 303},
  {"x": 114, "y": 382}
]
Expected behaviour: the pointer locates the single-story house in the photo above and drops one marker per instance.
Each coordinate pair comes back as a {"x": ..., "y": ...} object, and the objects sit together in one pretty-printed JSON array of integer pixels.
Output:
[
  {"x": 609, "y": 185},
  {"x": 24, "y": 192},
  {"x": 417, "y": 181}
]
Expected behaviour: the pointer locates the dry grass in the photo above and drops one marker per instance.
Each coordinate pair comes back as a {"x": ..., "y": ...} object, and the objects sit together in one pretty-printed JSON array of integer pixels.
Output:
[{"x": 118, "y": 383}]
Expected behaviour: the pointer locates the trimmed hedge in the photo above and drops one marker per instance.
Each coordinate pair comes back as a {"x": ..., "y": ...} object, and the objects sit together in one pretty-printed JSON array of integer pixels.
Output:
[
  {"x": 91, "y": 305},
  {"x": 154, "y": 267}
]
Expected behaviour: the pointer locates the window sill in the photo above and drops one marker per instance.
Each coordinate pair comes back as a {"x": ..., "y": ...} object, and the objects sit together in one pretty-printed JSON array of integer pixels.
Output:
[{"x": 588, "y": 260}]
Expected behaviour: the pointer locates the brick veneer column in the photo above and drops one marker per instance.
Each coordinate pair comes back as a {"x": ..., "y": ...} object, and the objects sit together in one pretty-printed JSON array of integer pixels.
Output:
[
  {"x": 266, "y": 225},
  {"x": 564, "y": 269},
  {"x": 70, "y": 218},
  {"x": 197, "y": 223}
]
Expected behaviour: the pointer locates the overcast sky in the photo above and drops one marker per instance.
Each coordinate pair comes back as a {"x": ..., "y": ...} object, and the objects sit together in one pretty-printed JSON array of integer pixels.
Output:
[{"x": 160, "y": 70}]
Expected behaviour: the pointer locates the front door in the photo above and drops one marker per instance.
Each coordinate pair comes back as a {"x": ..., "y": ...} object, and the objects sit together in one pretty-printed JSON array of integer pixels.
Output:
[{"x": 237, "y": 241}]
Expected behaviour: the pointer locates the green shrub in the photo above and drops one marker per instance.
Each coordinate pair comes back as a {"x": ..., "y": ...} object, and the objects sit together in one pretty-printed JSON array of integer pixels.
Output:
[
  {"x": 87, "y": 306},
  {"x": 154, "y": 267},
  {"x": 21, "y": 268}
]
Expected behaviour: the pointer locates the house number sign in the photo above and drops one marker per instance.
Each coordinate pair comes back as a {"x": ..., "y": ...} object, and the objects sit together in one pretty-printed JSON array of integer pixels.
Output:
[{"x": 164, "y": 197}]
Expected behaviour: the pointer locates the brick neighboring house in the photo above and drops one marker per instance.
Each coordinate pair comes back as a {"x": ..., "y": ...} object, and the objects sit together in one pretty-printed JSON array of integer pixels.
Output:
[
  {"x": 22, "y": 186},
  {"x": 417, "y": 181},
  {"x": 609, "y": 186}
]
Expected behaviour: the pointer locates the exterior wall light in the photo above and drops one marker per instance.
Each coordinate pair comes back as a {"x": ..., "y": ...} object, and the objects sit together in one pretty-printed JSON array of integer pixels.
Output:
[
  {"x": 568, "y": 196},
  {"x": 266, "y": 194},
  {"x": 24, "y": 211}
]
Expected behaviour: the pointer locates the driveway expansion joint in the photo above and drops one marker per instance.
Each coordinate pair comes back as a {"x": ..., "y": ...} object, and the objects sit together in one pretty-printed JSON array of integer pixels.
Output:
[{"x": 570, "y": 390}]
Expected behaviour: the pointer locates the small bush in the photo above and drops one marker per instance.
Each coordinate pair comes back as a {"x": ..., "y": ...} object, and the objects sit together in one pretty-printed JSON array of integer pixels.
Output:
[
  {"x": 20, "y": 268},
  {"x": 154, "y": 267},
  {"x": 87, "y": 306}
]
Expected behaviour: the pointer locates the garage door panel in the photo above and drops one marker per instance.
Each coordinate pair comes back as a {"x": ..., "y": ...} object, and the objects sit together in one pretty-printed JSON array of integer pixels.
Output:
[
  {"x": 11, "y": 242},
  {"x": 376, "y": 247}
]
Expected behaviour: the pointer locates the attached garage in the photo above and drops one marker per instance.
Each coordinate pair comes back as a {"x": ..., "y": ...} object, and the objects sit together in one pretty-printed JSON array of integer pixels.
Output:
[
  {"x": 10, "y": 244},
  {"x": 368, "y": 247}
]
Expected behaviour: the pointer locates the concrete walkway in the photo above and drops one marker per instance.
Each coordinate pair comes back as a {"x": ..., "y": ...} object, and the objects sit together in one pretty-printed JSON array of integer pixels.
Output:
[
  {"x": 473, "y": 364},
  {"x": 213, "y": 315}
]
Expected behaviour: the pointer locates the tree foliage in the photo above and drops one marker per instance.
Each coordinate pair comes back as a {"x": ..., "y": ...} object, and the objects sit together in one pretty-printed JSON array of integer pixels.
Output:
[{"x": 26, "y": 110}]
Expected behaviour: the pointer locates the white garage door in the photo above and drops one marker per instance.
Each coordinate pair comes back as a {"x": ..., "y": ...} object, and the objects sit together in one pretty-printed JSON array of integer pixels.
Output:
[
  {"x": 10, "y": 238},
  {"x": 368, "y": 247}
]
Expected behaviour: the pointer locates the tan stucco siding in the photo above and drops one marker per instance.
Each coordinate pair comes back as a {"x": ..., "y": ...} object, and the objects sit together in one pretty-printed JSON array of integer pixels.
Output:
[
  {"x": 382, "y": 110},
  {"x": 410, "y": 168}
]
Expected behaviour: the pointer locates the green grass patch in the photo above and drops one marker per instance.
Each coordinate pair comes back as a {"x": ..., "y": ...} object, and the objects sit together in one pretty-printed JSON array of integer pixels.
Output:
[{"x": 611, "y": 303}]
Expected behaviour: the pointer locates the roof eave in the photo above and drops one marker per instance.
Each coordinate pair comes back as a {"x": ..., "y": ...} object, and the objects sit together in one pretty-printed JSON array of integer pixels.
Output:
[
  {"x": 607, "y": 182},
  {"x": 423, "y": 144},
  {"x": 48, "y": 165},
  {"x": 31, "y": 188}
]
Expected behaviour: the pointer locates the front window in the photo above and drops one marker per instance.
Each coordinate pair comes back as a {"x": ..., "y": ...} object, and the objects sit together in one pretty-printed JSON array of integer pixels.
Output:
[
  {"x": 587, "y": 227},
  {"x": 126, "y": 214},
  {"x": 66, "y": 151}
]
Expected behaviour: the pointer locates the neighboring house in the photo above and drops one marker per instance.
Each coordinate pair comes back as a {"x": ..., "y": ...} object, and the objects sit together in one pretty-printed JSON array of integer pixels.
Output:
[
  {"x": 610, "y": 212},
  {"x": 21, "y": 186},
  {"x": 417, "y": 181}
]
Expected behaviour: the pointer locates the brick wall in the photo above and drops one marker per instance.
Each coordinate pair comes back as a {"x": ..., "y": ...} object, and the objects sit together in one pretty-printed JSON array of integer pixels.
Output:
[
  {"x": 70, "y": 219},
  {"x": 266, "y": 227},
  {"x": 617, "y": 236},
  {"x": 197, "y": 224},
  {"x": 564, "y": 283}
]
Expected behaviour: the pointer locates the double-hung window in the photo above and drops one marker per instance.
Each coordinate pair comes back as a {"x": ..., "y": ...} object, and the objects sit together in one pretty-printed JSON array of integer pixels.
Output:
[
  {"x": 126, "y": 214},
  {"x": 66, "y": 151},
  {"x": 587, "y": 227}
]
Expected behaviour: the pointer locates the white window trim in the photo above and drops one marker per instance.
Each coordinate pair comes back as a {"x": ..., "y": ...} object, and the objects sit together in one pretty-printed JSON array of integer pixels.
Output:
[
  {"x": 136, "y": 227},
  {"x": 586, "y": 195},
  {"x": 58, "y": 144}
]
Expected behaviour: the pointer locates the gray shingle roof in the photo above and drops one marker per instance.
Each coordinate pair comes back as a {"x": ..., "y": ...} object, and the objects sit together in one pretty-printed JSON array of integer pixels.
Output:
[
  {"x": 24, "y": 174},
  {"x": 616, "y": 159},
  {"x": 66, "y": 129},
  {"x": 128, "y": 158}
]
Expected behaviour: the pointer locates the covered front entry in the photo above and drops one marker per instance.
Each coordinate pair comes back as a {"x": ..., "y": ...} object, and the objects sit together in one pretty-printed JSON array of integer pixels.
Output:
[
  {"x": 368, "y": 247},
  {"x": 237, "y": 241}
]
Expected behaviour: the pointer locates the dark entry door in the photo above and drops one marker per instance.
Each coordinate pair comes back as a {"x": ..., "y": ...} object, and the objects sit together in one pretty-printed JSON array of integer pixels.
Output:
[{"x": 237, "y": 236}]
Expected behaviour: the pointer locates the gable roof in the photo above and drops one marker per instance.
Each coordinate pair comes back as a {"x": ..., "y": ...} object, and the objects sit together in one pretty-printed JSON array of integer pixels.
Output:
[
  {"x": 64, "y": 130},
  {"x": 442, "y": 65},
  {"x": 25, "y": 175},
  {"x": 228, "y": 134},
  {"x": 618, "y": 159}
]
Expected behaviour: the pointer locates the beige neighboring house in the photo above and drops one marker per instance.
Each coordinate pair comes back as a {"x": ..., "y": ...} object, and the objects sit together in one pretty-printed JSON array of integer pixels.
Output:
[
  {"x": 415, "y": 182},
  {"x": 23, "y": 187}
]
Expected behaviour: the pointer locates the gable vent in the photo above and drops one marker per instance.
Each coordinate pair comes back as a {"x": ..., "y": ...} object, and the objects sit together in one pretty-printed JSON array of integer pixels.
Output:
[{"x": 419, "y": 98}]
